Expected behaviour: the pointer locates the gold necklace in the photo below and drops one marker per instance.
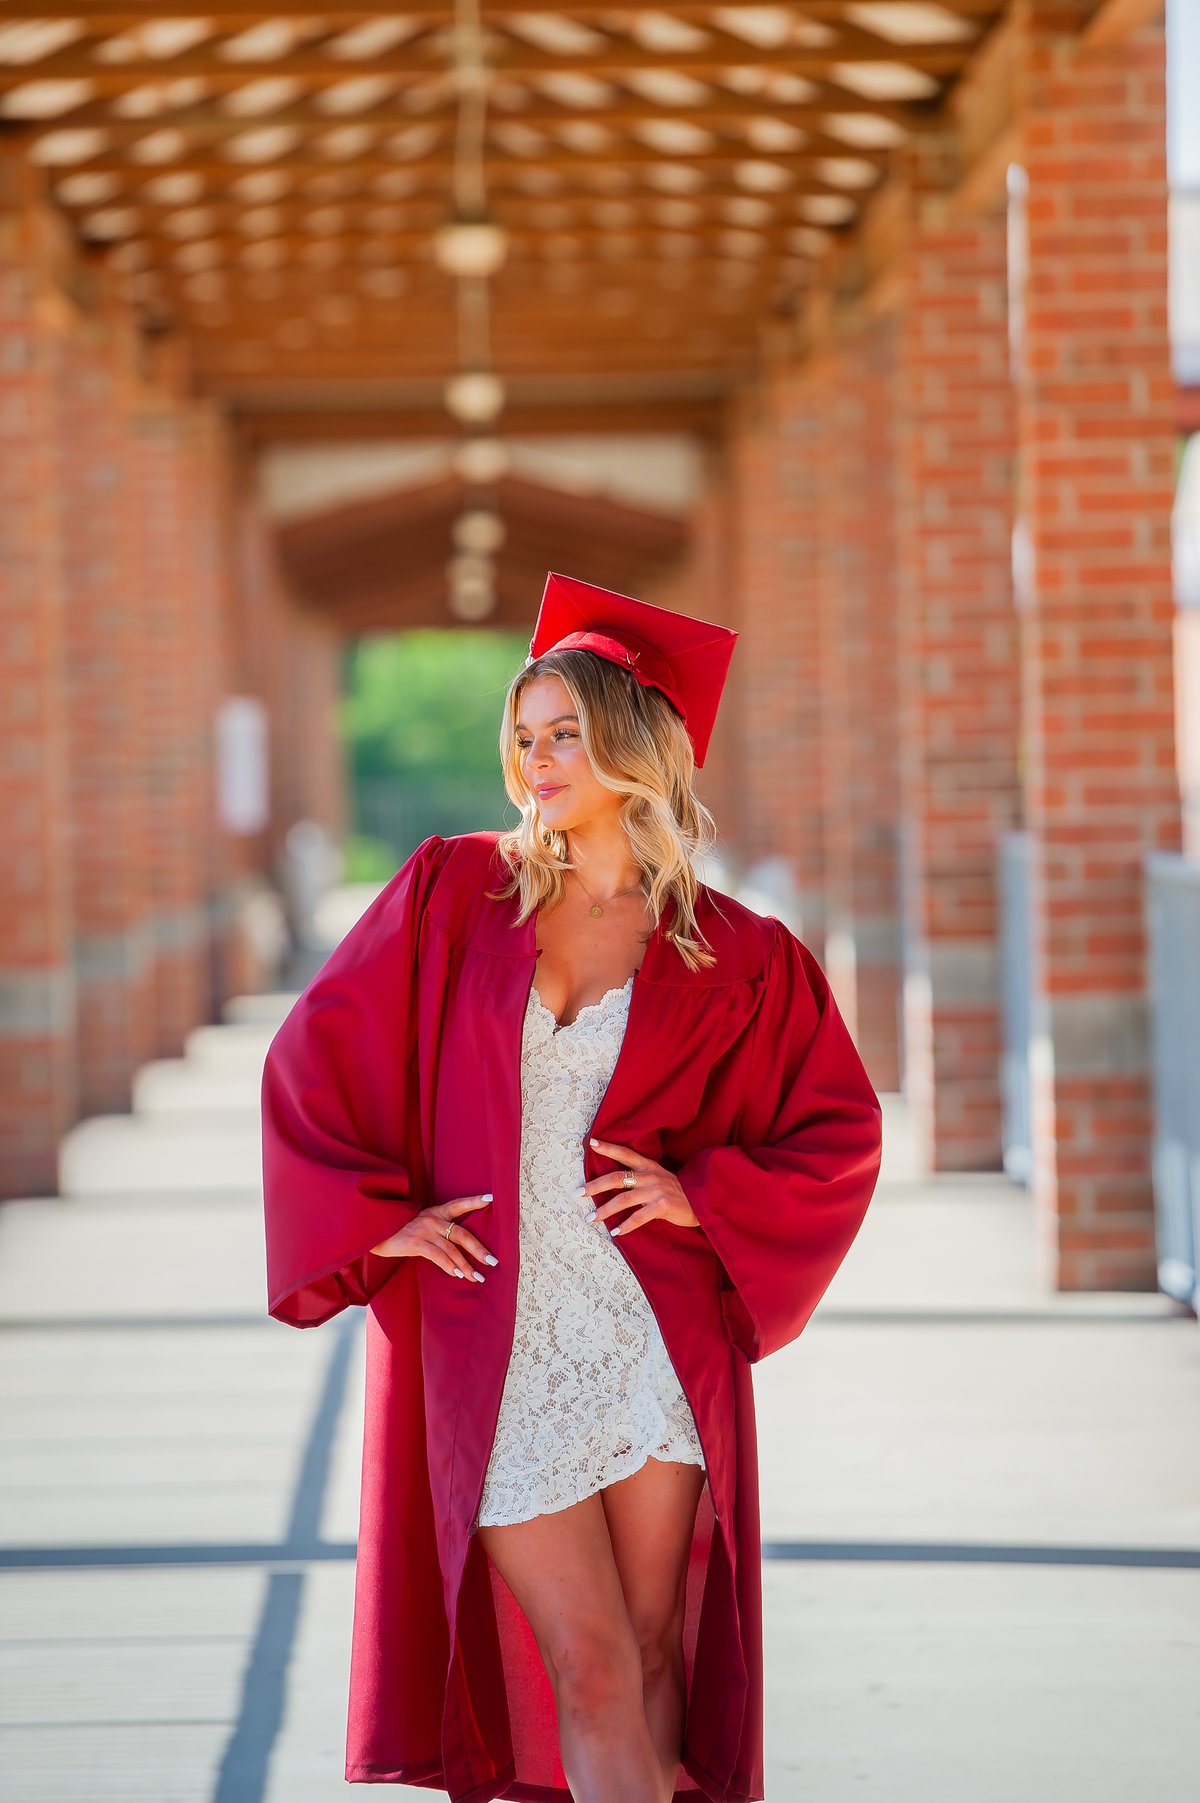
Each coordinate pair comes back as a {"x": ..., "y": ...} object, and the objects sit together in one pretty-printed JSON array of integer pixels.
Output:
[{"x": 596, "y": 911}]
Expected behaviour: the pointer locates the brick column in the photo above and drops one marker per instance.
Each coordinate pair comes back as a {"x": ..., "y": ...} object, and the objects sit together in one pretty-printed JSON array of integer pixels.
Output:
[
  {"x": 780, "y": 810},
  {"x": 253, "y": 641},
  {"x": 179, "y": 757},
  {"x": 290, "y": 656},
  {"x": 700, "y": 583},
  {"x": 105, "y": 680},
  {"x": 958, "y": 658},
  {"x": 798, "y": 405},
  {"x": 1097, "y": 446},
  {"x": 37, "y": 992},
  {"x": 769, "y": 822},
  {"x": 853, "y": 590}
]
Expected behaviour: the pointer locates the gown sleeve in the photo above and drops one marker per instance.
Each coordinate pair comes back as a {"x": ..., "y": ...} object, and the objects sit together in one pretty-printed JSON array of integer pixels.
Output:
[
  {"x": 783, "y": 1205},
  {"x": 337, "y": 1109}
]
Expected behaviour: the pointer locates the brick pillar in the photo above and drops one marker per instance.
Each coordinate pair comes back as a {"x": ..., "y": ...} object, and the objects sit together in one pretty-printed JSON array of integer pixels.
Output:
[
  {"x": 253, "y": 641},
  {"x": 1097, "y": 447},
  {"x": 37, "y": 992},
  {"x": 699, "y": 583},
  {"x": 852, "y": 555},
  {"x": 290, "y": 656},
  {"x": 778, "y": 694},
  {"x": 711, "y": 594},
  {"x": 179, "y": 758},
  {"x": 766, "y": 720},
  {"x": 211, "y": 466},
  {"x": 105, "y": 718},
  {"x": 795, "y": 668},
  {"x": 958, "y": 659}
]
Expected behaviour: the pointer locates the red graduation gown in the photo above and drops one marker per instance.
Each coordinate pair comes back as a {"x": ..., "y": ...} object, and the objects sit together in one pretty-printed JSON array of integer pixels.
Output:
[{"x": 395, "y": 1082}]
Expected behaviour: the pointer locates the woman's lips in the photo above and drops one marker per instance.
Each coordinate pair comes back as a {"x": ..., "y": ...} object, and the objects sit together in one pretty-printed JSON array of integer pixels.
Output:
[{"x": 543, "y": 793}]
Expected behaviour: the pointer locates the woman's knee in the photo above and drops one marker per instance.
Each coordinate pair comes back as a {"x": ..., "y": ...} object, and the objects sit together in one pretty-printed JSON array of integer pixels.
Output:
[
  {"x": 596, "y": 1671},
  {"x": 659, "y": 1637}
]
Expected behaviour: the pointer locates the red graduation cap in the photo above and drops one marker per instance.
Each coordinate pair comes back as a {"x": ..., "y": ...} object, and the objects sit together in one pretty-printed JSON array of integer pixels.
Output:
[{"x": 685, "y": 658}]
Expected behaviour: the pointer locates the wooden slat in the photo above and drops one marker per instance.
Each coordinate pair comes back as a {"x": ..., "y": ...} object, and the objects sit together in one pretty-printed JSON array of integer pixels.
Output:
[
  {"x": 208, "y": 123},
  {"x": 660, "y": 411},
  {"x": 107, "y": 15},
  {"x": 416, "y": 62}
]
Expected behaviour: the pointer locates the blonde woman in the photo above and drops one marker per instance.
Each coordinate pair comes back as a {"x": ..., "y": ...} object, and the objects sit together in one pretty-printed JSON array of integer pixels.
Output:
[{"x": 587, "y": 1139}]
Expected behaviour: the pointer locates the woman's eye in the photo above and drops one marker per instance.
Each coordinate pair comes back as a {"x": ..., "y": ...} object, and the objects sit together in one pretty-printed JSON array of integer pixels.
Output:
[{"x": 562, "y": 733}]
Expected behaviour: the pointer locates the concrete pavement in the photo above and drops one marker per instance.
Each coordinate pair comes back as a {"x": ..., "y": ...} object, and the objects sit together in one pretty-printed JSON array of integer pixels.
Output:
[{"x": 981, "y": 1504}]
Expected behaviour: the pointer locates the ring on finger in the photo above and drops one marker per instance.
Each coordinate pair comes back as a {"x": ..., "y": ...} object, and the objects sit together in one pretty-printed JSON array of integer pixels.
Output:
[
  {"x": 628, "y": 1180},
  {"x": 449, "y": 1231}
]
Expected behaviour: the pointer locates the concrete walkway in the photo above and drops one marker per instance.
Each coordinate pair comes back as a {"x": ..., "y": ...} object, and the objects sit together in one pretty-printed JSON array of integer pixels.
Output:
[{"x": 982, "y": 1505}]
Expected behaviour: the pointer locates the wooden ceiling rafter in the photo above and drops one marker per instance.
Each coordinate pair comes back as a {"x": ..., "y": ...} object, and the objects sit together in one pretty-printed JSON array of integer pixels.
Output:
[
  {"x": 700, "y": 416},
  {"x": 626, "y": 146},
  {"x": 344, "y": 560},
  {"x": 106, "y": 16},
  {"x": 206, "y": 123}
]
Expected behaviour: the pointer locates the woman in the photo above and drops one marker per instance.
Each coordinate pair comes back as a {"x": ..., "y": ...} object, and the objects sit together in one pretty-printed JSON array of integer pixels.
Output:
[{"x": 588, "y": 1139}]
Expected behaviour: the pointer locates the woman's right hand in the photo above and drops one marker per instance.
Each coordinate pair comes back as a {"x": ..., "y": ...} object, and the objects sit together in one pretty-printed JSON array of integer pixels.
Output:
[{"x": 425, "y": 1237}]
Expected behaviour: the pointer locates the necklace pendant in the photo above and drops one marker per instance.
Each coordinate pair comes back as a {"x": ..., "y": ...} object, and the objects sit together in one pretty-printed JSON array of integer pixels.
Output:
[{"x": 595, "y": 910}]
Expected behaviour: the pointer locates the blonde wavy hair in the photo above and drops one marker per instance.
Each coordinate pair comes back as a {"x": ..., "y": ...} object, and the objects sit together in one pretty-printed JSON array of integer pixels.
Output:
[{"x": 639, "y": 748}]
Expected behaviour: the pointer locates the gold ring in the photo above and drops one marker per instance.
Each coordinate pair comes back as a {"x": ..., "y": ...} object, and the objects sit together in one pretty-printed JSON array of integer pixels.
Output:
[{"x": 449, "y": 1230}]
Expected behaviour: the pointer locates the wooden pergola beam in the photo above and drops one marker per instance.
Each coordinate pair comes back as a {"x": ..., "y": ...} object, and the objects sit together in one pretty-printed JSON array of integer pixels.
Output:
[
  {"x": 123, "y": 15},
  {"x": 416, "y": 63},
  {"x": 208, "y": 123},
  {"x": 359, "y": 423}
]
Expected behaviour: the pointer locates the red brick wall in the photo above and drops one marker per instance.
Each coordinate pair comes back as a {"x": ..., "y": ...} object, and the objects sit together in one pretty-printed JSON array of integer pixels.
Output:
[
  {"x": 37, "y": 1075},
  {"x": 1097, "y": 413},
  {"x": 810, "y": 707},
  {"x": 781, "y": 808},
  {"x": 178, "y": 755},
  {"x": 111, "y": 489},
  {"x": 700, "y": 583},
  {"x": 855, "y": 594},
  {"x": 957, "y": 657},
  {"x": 104, "y": 681},
  {"x": 292, "y": 659}
]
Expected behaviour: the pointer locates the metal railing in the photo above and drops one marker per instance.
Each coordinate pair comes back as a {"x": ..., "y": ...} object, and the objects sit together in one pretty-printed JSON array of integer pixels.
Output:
[
  {"x": 1016, "y": 988},
  {"x": 1173, "y": 928}
]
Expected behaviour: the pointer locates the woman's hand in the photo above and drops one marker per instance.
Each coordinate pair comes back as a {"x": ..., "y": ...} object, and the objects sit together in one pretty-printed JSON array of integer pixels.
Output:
[
  {"x": 656, "y": 1196},
  {"x": 425, "y": 1237}
]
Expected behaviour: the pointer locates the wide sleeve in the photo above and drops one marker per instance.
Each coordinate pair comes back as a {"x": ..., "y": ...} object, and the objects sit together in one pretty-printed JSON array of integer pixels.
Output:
[
  {"x": 338, "y": 1107},
  {"x": 783, "y": 1205}
]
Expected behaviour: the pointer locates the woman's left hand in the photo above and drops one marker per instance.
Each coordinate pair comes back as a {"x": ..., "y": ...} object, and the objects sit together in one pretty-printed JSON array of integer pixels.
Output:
[{"x": 656, "y": 1196}]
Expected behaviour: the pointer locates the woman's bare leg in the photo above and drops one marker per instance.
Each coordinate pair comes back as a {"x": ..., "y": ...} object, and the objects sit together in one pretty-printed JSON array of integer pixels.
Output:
[
  {"x": 650, "y": 1521},
  {"x": 561, "y": 1569}
]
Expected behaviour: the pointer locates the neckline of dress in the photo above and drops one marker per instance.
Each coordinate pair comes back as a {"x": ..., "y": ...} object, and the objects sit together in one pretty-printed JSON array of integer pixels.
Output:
[{"x": 588, "y": 1007}]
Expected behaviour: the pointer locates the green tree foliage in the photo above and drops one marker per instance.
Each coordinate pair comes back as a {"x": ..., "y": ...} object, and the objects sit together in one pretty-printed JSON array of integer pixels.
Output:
[{"x": 420, "y": 721}]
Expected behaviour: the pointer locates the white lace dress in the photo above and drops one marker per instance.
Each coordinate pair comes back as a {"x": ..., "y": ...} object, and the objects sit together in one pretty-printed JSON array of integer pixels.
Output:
[{"x": 591, "y": 1392}]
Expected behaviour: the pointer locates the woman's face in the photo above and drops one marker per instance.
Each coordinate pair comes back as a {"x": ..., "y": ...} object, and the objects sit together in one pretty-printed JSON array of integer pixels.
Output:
[{"x": 555, "y": 765}]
